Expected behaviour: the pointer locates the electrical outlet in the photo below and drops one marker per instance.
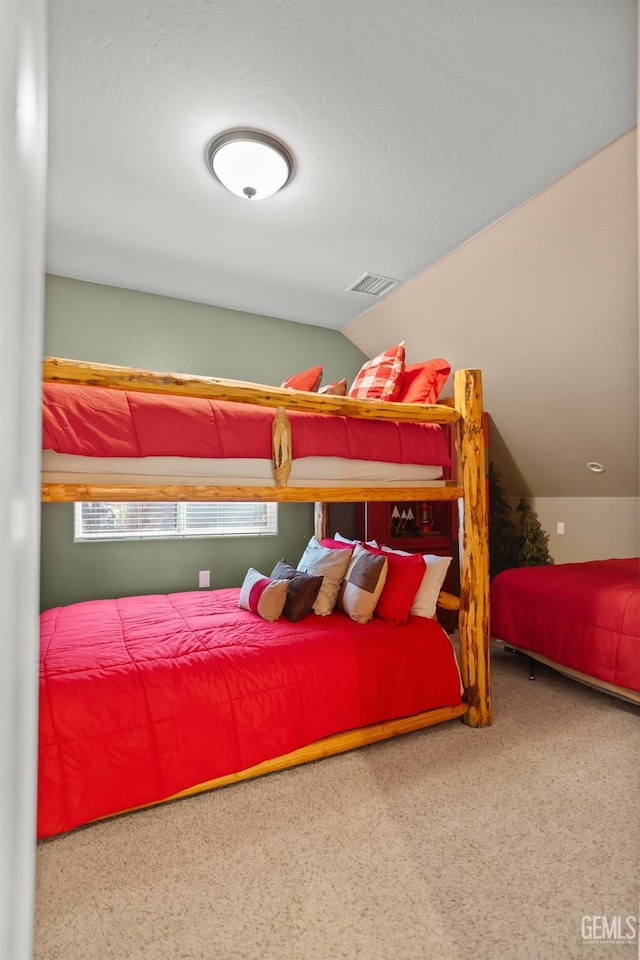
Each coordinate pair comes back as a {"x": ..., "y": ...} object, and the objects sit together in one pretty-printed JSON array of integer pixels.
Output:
[
  {"x": 560, "y": 527},
  {"x": 204, "y": 578}
]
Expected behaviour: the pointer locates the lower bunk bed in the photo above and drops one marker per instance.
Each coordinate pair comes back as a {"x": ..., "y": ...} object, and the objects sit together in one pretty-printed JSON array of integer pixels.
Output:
[
  {"x": 581, "y": 619},
  {"x": 144, "y": 699}
]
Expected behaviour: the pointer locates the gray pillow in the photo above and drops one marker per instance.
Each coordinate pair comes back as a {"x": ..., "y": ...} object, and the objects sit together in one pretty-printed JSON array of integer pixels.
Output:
[{"x": 302, "y": 590}]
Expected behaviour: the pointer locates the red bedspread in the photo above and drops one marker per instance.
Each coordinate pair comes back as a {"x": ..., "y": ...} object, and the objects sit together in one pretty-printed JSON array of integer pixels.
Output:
[
  {"x": 585, "y": 616},
  {"x": 96, "y": 422},
  {"x": 146, "y": 696}
]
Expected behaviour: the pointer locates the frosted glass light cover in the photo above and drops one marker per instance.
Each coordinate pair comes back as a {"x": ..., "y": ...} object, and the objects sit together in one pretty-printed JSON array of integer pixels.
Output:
[{"x": 250, "y": 169}]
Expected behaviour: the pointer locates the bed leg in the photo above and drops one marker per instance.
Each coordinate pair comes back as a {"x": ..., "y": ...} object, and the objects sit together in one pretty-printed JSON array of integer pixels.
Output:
[{"x": 519, "y": 653}]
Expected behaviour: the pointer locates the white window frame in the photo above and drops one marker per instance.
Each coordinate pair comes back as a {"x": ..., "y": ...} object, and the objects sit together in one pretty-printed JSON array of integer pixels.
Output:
[{"x": 183, "y": 530}]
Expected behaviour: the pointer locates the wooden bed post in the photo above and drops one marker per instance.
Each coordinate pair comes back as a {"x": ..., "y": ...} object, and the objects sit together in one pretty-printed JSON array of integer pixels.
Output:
[
  {"x": 281, "y": 446},
  {"x": 473, "y": 544},
  {"x": 320, "y": 520}
]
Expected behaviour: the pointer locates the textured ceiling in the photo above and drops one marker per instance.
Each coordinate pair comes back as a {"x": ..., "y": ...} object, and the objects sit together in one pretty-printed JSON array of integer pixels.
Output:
[{"x": 414, "y": 125}]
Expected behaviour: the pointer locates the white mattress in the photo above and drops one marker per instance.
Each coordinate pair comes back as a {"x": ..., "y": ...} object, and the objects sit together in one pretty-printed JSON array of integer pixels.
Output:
[{"x": 164, "y": 471}]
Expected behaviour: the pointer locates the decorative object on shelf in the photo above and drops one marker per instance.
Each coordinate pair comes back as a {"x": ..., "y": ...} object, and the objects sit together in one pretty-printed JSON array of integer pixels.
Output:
[
  {"x": 413, "y": 525},
  {"x": 425, "y": 516},
  {"x": 403, "y": 522},
  {"x": 414, "y": 519},
  {"x": 410, "y": 518}
]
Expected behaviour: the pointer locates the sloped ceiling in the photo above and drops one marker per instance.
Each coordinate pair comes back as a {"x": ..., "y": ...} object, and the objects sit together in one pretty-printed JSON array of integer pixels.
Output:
[
  {"x": 418, "y": 127},
  {"x": 545, "y": 303}
]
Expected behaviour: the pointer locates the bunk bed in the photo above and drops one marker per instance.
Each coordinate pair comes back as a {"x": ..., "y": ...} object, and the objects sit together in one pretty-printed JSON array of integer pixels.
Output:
[{"x": 103, "y": 722}]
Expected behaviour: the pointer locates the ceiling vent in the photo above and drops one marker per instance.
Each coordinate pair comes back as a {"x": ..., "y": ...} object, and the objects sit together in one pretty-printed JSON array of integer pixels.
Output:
[{"x": 374, "y": 285}]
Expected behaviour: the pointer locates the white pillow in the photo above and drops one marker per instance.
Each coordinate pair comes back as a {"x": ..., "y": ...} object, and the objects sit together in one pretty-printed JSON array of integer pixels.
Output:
[
  {"x": 329, "y": 564},
  {"x": 341, "y": 539},
  {"x": 424, "y": 602}
]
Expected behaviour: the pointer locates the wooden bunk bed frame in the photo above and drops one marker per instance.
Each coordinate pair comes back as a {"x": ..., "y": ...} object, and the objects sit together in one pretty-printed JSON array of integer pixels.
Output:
[{"x": 465, "y": 409}]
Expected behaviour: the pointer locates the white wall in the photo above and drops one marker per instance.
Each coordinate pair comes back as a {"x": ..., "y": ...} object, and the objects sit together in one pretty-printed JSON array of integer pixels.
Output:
[
  {"x": 595, "y": 528},
  {"x": 22, "y": 177}
]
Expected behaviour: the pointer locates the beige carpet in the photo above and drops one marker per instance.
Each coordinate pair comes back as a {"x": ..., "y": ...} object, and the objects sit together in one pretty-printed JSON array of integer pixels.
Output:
[{"x": 448, "y": 843}]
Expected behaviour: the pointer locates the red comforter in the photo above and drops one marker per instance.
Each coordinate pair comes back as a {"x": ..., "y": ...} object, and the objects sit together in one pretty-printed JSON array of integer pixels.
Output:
[
  {"x": 146, "y": 696},
  {"x": 96, "y": 422},
  {"x": 585, "y": 616}
]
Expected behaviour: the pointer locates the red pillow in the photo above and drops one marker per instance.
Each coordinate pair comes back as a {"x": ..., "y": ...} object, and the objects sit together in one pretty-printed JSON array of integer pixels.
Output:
[
  {"x": 422, "y": 382},
  {"x": 380, "y": 378},
  {"x": 338, "y": 544},
  {"x": 308, "y": 380},
  {"x": 404, "y": 576}
]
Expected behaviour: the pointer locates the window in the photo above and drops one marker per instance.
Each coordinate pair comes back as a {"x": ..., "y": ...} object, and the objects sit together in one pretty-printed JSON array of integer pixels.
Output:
[{"x": 136, "y": 521}]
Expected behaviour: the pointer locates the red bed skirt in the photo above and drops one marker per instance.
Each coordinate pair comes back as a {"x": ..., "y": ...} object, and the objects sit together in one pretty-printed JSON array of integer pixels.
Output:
[{"x": 143, "y": 697}]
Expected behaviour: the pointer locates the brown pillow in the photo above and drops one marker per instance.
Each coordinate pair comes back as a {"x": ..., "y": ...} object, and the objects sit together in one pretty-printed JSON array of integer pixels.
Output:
[
  {"x": 301, "y": 592},
  {"x": 336, "y": 389}
]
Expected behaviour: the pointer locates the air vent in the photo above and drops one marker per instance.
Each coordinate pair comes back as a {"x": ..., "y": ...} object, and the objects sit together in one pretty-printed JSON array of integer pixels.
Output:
[{"x": 374, "y": 285}]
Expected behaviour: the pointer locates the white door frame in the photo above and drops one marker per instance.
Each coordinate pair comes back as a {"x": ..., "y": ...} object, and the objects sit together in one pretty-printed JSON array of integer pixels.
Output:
[{"x": 23, "y": 115}]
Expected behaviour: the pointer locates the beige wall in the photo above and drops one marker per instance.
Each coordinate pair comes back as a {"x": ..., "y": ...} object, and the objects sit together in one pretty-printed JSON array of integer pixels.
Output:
[
  {"x": 545, "y": 302},
  {"x": 595, "y": 528}
]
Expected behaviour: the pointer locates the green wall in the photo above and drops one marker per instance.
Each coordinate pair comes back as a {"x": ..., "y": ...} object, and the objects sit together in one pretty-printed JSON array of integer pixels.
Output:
[{"x": 90, "y": 321}]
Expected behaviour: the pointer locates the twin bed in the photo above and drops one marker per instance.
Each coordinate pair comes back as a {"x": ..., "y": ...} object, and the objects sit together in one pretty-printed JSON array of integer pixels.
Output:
[
  {"x": 582, "y": 619},
  {"x": 144, "y": 699}
]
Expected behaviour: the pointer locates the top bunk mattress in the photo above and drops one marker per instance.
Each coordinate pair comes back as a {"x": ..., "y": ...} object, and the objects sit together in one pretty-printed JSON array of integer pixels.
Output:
[
  {"x": 240, "y": 471},
  {"x": 96, "y": 435}
]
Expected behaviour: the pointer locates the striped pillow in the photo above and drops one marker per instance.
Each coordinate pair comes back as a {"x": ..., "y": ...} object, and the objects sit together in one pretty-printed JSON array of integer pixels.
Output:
[
  {"x": 263, "y": 596},
  {"x": 380, "y": 378}
]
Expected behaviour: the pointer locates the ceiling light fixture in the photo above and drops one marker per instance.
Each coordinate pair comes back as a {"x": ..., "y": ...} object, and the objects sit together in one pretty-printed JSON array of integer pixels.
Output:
[
  {"x": 249, "y": 163},
  {"x": 595, "y": 467}
]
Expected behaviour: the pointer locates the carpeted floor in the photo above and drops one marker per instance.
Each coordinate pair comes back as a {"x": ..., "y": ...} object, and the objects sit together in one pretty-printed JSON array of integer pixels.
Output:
[{"x": 447, "y": 843}]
